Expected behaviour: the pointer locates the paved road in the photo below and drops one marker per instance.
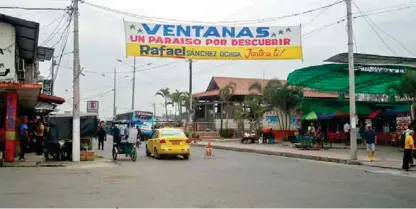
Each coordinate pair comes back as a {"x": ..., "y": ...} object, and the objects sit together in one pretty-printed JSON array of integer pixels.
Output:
[{"x": 228, "y": 179}]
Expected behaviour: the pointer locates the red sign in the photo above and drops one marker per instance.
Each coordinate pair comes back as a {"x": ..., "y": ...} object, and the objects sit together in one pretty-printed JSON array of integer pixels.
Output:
[{"x": 92, "y": 107}]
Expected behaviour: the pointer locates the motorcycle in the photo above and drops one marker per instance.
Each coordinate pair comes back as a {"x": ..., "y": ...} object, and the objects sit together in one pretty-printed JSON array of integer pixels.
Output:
[
  {"x": 56, "y": 150},
  {"x": 249, "y": 138}
]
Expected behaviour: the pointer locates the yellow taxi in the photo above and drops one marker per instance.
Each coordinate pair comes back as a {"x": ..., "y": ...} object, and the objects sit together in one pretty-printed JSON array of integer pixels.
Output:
[{"x": 168, "y": 142}]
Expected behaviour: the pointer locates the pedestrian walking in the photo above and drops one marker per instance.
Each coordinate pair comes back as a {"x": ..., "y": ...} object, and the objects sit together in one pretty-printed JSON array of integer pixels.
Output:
[
  {"x": 102, "y": 136},
  {"x": 370, "y": 141},
  {"x": 40, "y": 130},
  {"x": 409, "y": 145},
  {"x": 23, "y": 136}
]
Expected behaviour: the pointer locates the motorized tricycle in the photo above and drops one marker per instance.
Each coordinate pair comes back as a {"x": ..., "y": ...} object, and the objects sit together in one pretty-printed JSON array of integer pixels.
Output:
[
  {"x": 129, "y": 149},
  {"x": 249, "y": 137}
]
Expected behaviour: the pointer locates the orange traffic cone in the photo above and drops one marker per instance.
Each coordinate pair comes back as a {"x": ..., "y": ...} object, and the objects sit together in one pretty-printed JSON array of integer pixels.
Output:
[{"x": 208, "y": 149}]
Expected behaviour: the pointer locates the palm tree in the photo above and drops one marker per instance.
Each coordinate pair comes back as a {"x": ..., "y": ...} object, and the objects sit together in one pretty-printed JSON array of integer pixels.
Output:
[
  {"x": 240, "y": 114},
  {"x": 177, "y": 102},
  {"x": 165, "y": 94},
  {"x": 284, "y": 99},
  {"x": 226, "y": 93},
  {"x": 256, "y": 111},
  {"x": 185, "y": 101}
]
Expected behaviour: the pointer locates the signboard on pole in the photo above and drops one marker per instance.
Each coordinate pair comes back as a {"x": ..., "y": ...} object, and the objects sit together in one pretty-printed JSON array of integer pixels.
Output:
[
  {"x": 47, "y": 87},
  {"x": 201, "y": 42},
  {"x": 92, "y": 107}
]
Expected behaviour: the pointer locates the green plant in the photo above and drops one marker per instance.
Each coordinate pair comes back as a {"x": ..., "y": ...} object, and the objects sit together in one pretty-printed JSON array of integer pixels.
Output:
[
  {"x": 226, "y": 93},
  {"x": 227, "y": 133},
  {"x": 165, "y": 94}
]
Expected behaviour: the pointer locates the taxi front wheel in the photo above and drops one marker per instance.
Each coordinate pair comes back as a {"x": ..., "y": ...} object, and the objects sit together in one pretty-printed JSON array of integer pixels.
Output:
[{"x": 147, "y": 152}]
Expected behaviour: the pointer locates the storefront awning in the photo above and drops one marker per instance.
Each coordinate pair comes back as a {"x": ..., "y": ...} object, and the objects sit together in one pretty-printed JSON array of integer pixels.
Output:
[{"x": 28, "y": 93}]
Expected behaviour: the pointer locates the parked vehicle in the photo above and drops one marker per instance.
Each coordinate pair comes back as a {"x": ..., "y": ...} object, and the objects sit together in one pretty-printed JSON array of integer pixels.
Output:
[{"x": 249, "y": 137}]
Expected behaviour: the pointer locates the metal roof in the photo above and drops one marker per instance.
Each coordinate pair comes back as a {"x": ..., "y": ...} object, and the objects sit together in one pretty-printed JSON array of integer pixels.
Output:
[
  {"x": 371, "y": 59},
  {"x": 27, "y": 35},
  {"x": 45, "y": 53}
]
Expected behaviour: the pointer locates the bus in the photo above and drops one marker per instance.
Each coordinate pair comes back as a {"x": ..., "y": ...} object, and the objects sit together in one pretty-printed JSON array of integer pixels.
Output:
[{"x": 143, "y": 119}]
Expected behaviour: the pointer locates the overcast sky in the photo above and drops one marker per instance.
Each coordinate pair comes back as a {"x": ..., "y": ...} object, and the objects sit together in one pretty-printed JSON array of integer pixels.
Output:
[{"x": 102, "y": 42}]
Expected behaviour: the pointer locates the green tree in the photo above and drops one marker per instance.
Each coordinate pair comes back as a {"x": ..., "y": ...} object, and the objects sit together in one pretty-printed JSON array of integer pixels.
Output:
[
  {"x": 284, "y": 99},
  {"x": 177, "y": 102},
  {"x": 240, "y": 115},
  {"x": 165, "y": 94},
  {"x": 226, "y": 93},
  {"x": 406, "y": 88},
  {"x": 185, "y": 101},
  {"x": 256, "y": 110}
]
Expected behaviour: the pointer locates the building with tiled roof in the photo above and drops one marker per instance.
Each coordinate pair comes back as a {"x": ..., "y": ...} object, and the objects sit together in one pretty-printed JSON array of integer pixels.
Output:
[{"x": 209, "y": 110}]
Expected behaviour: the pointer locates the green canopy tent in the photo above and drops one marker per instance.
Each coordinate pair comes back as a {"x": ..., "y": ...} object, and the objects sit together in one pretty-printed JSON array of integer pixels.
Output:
[{"x": 310, "y": 116}]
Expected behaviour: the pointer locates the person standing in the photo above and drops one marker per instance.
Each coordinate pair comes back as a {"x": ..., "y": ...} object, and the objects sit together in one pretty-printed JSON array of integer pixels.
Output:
[
  {"x": 102, "y": 136},
  {"x": 409, "y": 145},
  {"x": 24, "y": 135},
  {"x": 40, "y": 130},
  {"x": 370, "y": 141},
  {"x": 347, "y": 129},
  {"x": 131, "y": 137}
]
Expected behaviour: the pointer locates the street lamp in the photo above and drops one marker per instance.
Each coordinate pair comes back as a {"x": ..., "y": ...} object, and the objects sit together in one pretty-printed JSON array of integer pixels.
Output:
[{"x": 134, "y": 79}]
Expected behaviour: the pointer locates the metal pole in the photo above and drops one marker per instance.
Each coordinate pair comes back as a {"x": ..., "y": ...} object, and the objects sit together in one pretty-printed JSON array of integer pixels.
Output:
[
  {"x": 76, "y": 96},
  {"x": 134, "y": 83},
  {"x": 190, "y": 92},
  {"x": 114, "y": 96},
  {"x": 53, "y": 74},
  {"x": 154, "y": 109},
  {"x": 353, "y": 122}
]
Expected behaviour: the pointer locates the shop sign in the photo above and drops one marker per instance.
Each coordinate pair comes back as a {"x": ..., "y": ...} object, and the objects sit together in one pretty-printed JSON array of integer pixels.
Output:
[
  {"x": 92, "y": 107},
  {"x": 7, "y": 52},
  {"x": 47, "y": 87},
  {"x": 202, "y": 42}
]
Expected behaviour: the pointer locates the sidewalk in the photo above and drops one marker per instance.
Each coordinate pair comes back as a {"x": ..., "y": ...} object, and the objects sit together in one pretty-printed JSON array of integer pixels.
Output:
[
  {"x": 33, "y": 160},
  {"x": 386, "y": 157}
]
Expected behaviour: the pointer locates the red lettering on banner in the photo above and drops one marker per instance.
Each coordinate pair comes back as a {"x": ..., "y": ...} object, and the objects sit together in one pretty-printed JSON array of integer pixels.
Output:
[
  {"x": 138, "y": 39},
  {"x": 216, "y": 42},
  {"x": 286, "y": 41}
]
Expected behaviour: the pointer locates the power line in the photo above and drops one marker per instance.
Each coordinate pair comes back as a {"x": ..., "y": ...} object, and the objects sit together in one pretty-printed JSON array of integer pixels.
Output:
[
  {"x": 62, "y": 50},
  {"x": 387, "y": 34},
  {"x": 54, "y": 32},
  {"x": 170, "y": 20},
  {"x": 53, "y": 21},
  {"x": 66, "y": 30},
  {"x": 315, "y": 17},
  {"x": 36, "y": 8},
  {"x": 340, "y": 20},
  {"x": 375, "y": 31}
]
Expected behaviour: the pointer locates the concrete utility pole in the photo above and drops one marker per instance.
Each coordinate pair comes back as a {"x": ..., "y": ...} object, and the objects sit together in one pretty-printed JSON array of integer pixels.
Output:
[
  {"x": 134, "y": 83},
  {"x": 76, "y": 97},
  {"x": 353, "y": 122},
  {"x": 114, "y": 96},
  {"x": 190, "y": 92},
  {"x": 154, "y": 109}
]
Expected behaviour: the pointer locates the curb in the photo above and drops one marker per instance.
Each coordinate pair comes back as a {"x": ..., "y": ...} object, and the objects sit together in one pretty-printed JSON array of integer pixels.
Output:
[{"x": 284, "y": 154}]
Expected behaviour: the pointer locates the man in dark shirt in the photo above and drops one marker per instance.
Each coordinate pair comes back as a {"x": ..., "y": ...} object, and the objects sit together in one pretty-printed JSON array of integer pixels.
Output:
[
  {"x": 370, "y": 140},
  {"x": 116, "y": 134},
  {"x": 102, "y": 136},
  {"x": 23, "y": 133}
]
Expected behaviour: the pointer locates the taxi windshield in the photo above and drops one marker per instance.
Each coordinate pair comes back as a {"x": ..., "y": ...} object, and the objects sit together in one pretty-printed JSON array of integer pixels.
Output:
[{"x": 172, "y": 132}]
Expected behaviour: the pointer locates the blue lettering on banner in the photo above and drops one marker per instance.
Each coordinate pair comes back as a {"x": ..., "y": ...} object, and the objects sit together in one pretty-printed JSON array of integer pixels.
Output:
[
  {"x": 230, "y": 54},
  {"x": 10, "y": 114},
  {"x": 191, "y": 53},
  {"x": 200, "y": 31},
  {"x": 146, "y": 50}
]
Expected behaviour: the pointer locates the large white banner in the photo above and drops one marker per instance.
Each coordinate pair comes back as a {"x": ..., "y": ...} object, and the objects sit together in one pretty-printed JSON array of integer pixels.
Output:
[{"x": 213, "y": 42}]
